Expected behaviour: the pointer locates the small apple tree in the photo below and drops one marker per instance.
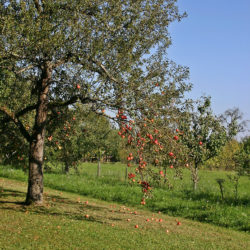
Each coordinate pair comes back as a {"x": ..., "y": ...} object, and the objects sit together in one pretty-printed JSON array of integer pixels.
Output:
[{"x": 203, "y": 135}]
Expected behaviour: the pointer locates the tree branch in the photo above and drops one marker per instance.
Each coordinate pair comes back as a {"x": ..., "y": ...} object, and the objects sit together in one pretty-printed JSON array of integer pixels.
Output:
[
  {"x": 17, "y": 122},
  {"x": 21, "y": 112},
  {"x": 38, "y": 6},
  {"x": 104, "y": 70},
  {"x": 24, "y": 69},
  {"x": 72, "y": 100}
]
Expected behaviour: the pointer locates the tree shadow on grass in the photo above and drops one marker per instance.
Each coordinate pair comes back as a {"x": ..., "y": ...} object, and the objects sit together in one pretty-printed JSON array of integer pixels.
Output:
[
  {"x": 212, "y": 198},
  {"x": 57, "y": 206},
  {"x": 9, "y": 192}
]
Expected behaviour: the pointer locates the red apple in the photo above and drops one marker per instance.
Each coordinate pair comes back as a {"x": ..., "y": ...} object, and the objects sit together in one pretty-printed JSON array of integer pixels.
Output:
[
  {"x": 78, "y": 86},
  {"x": 156, "y": 142},
  {"x": 200, "y": 143},
  {"x": 136, "y": 226},
  {"x": 171, "y": 154}
]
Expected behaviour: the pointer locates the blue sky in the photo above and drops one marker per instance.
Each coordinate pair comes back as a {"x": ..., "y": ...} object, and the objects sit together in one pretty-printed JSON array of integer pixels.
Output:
[{"x": 214, "y": 42}]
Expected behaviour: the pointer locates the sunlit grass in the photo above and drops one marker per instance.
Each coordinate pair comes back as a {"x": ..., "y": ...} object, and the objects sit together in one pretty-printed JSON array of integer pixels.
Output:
[
  {"x": 61, "y": 223},
  {"x": 205, "y": 205}
]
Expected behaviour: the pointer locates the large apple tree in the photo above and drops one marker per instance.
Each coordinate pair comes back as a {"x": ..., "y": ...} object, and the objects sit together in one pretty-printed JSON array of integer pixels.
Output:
[{"x": 104, "y": 54}]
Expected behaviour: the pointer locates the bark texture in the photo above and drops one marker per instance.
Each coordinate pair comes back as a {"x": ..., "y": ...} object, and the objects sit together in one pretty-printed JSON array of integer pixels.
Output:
[{"x": 35, "y": 182}]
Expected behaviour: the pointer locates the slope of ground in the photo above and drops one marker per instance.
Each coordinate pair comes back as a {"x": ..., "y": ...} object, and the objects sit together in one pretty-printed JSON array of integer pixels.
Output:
[{"x": 68, "y": 221}]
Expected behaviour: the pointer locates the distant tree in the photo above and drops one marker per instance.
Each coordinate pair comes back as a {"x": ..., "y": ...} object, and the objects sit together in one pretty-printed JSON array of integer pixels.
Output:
[
  {"x": 242, "y": 157},
  {"x": 99, "y": 138},
  {"x": 232, "y": 119},
  {"x": 63, "y": 133},
  {"x": 203, "y": 135},
  {"x": 226, "y": 157},
  {"x": 78, "y": 134}
]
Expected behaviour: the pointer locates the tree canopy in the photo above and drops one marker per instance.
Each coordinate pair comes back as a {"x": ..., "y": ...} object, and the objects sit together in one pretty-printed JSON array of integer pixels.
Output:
[{"x": 104, "y": 54}]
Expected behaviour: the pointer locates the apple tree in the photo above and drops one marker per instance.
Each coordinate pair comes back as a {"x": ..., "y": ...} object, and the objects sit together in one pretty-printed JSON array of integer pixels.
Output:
[
  {"x": 202, "y": 133},
  {"x": 103, "y": 54},
  {"x": 151, "y": 137}
]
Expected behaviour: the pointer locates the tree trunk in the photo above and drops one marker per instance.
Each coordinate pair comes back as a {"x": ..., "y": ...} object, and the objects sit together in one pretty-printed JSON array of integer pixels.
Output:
[
  {"x": 99, "y": 168},
  {"x": 126, "y": 173},
  {"x": 165, "y": 174},
  {"x": 195, "y": 177},
  {"x": 99, "y": 165},
  {"x": 66, "y": 168},
  {"x": 36, "y": 151}
]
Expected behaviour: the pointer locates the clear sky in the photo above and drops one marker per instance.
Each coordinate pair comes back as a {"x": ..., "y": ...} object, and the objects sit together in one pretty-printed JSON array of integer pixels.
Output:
[{"x": 214, "y": 42}]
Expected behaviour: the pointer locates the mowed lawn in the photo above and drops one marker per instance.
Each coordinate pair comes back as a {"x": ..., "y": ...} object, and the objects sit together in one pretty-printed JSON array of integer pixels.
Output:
[{"x": 72, "y": 221}]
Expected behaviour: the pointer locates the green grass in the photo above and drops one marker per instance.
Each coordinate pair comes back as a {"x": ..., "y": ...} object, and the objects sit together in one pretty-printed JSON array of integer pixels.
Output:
[
  {"x": 204, "y": 206},
  {"x": 61, "y": 224}
]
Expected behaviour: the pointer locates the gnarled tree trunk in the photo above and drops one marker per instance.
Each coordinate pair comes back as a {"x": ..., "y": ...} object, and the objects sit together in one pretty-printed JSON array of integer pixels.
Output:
[{"x": 35, "y": 182}]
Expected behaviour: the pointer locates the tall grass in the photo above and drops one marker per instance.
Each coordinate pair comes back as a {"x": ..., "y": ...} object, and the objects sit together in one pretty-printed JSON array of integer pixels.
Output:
[{"x": 204, "y": 205}]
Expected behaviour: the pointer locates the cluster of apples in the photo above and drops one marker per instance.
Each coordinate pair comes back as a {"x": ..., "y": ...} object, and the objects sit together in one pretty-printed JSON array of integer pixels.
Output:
[
  {"x": 145, "y": 136},
  {"x": 125, "y": 131},
  {"x": 145, "y": 186},
  {"x": 131, "y": 175}
]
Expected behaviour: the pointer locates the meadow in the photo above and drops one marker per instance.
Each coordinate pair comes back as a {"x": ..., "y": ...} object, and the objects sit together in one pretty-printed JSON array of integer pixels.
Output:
[
  {"x": 205, "y": 205},
  {"x": 72, "y": 221}
]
